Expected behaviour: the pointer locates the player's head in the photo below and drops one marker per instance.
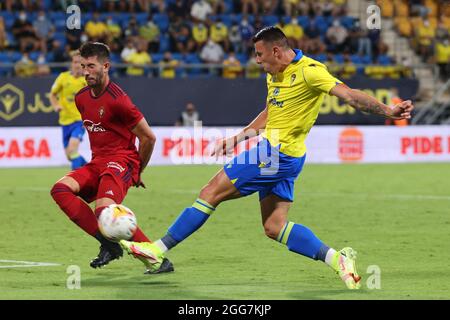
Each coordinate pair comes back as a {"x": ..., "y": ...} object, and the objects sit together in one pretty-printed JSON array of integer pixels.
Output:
[
  {"x": 95, "y": 63},
  {"x": 75, "y": 65},
  {"x": 270, "y": 47}
]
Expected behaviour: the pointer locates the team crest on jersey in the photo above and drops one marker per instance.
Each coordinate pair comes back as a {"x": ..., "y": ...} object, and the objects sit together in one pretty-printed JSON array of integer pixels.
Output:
[
  {"x": 101, "y": 112},
  {"x": 276, "y": 91},
  {"x": 293, "y": 77}
]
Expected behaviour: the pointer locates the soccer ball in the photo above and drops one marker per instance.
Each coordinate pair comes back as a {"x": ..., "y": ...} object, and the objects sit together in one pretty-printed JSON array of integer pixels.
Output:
[{"x": 117, "y": 222}]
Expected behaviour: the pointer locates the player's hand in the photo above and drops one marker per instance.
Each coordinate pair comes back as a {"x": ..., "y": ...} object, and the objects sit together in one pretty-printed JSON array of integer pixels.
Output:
[
  {"x": 57, "y": 108},
  {"x": 140, "y": 183},
  {"x": 224, "y": 147},
  {"x": 402, "y": 110}
]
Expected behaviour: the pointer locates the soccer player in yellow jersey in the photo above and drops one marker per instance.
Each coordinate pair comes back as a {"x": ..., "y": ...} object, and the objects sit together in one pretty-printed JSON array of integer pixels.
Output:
[
  {"x": 62, "y": 94},
  {"x": 296, "y": 88}
]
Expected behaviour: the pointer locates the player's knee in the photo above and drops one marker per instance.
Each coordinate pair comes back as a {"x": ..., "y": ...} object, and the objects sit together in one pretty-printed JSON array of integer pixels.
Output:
[
  {"x": 272, "y": 230},
  {"x": 209, "y": 194}
]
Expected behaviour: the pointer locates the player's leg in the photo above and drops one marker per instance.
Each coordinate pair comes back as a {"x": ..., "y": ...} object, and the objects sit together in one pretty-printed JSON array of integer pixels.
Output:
[
  {"x": 72, "y": 145},
  {"x": 300, "y": 239},
  {"x": 110, "y": 191},
  {"x": 65, "y": 193},
  {"x": 217, "y": 190}
]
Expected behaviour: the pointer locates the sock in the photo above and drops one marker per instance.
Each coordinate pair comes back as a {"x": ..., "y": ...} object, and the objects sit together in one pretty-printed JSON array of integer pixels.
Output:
[
  {"x": 302, "y": 240},
  {"x": 77, "y": 161},
  {"x": 331, "y": 257},
  {"x": 188, "y": 222},
  {"x": 138, "y": 236},
  {"x": 76, "y": 209},
  {"x": 162, "y": 246}
]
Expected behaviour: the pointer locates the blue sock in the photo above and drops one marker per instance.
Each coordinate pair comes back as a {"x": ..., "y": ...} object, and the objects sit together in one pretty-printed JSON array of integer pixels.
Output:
[
  {"x": 302, "y": 240},
  {"x": 77, "y": 161},
  {"x": 188, "y": 222}
]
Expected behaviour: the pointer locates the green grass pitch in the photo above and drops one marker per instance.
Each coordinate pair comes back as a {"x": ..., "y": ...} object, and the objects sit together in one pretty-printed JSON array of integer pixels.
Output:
[{"x": 396, "y": 216}]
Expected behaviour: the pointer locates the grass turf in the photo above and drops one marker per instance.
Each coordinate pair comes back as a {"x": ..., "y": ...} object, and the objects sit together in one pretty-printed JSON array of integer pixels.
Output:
[{"x": 395, "y": 216}]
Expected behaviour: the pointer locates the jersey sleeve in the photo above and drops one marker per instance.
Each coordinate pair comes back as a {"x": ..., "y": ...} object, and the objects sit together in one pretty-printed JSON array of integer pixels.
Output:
[
  {"x": 318, "y": 77},
  {"x": 129, "y": 114},
  {"x": 57, "y": 85}
]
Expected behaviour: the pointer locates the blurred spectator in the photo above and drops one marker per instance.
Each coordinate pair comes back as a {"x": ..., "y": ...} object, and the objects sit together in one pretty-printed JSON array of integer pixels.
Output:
[
  {"x": 200, "y": 10},
  {"x": 153, "y": 6},
  {"x": 25, "y": 34},
  {"x": 269, "y": 6},
  {"x": 113, "y": 34},
  {"x": 42, "y": 68},
  {"x": 150, "y": 32},
  {"x": 231, "y": 67},
  {"x": 178, "y": 9},
  {"x": 44, "y": 30},
  {"x": 336, "y": 37},
  {"x": 73, "y": 38},
  {"x": 218, "y": 32},
  {"x": 25, "y": 67},
  {"x": 290, "y": 7},
  {"x": 442, "y": 57},
  {"x": 425, "y": 34},
  {"x": 212, "y": 53},
  {"x": 167, "y": 66},
  {"x": 235, "y": 39},
  {"x": 294, "y": 33},
  {"x": 247, "y": 32},
  {"x": 127, "y": 50},
  {"x": 200, "y": 35},
  {"x": 188, "y": 116},
  {"x": 132, "y": 29},
  {"x": 418, "y": 8},
  {"x": 253, "y": 4},
  {"x": 218, "y": 6},
  {"x": 3, "y": 39},
  {"x": 96, "y": 29},
  {"x": 253, "y": 69},
  {"x": 138, "y": 60},
  {"x": 180, "y": 36}
]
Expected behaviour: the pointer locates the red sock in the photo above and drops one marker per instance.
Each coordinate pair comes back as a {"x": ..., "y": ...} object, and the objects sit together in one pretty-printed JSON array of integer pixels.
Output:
[
  {"x": 76, "y": 209},
  {"x": 139, "y": 236}
]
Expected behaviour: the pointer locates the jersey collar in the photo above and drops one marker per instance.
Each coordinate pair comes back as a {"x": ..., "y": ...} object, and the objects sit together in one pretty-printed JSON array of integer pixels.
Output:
[{"x": 298, "y": 55}]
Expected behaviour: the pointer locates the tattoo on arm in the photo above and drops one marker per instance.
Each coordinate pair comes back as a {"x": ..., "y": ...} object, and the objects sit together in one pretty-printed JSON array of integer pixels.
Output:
[{"x": 366, "y": 103}]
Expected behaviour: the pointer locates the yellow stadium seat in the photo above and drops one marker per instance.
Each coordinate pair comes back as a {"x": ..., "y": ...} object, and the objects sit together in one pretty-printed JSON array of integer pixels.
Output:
[
  {"x": 401, "y": 8},
  {"x": 403, "y": 26},
  {"x": 387, "y": 8},
  {"x": 432, "y": 7}
]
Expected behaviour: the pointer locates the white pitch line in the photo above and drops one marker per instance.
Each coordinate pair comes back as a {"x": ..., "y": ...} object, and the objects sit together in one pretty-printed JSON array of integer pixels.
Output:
[{"x": 25, "y": 264}]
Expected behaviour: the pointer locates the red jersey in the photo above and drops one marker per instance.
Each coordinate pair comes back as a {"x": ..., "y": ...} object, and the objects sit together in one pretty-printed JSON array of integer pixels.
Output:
[{"x": 109, "y": 119}]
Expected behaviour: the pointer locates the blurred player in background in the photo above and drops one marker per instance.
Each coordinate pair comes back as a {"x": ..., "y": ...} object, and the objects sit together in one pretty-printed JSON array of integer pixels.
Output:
[
  {"x": 62, "y": 98},
  {"x": 113, "y": 122},
  {"x": 296, "y": 87}
]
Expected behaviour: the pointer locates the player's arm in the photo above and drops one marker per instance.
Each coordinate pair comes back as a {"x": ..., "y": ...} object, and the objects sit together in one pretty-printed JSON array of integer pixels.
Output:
[
  {"x": 55, "y": 90},
  {"x": 147, "y": 140},
  {"x": 363, "y": 102},
  {"x": 252, "y": 130}
]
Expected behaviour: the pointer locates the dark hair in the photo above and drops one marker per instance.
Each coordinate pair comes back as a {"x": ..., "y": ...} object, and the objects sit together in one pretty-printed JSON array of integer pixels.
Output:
[
  {"x": 91, "y": 49},
  {"x": 271, "y": 35}
]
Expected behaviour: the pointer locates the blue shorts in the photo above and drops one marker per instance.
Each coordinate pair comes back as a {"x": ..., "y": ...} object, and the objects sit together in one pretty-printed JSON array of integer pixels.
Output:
[
  {"x": 265, "y": 169},
  {"x": 74, "y": 130}
]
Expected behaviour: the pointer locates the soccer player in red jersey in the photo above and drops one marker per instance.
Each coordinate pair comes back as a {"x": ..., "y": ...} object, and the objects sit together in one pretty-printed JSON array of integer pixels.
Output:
[{"x": 113, "y": 122}]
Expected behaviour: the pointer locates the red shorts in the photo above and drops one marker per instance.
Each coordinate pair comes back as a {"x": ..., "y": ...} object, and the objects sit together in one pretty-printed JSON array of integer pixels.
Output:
[{"x": 106, "y": 178}]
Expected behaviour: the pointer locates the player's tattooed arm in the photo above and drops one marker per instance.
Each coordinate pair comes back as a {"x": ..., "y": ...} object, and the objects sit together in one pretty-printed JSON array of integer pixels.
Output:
[{"x": 363, "y": 102}]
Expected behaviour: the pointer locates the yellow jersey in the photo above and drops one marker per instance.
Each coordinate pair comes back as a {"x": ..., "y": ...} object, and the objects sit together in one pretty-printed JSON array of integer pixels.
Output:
[
  {"x": 294, "y": 97},
  {"x": 65, "y": 87}
]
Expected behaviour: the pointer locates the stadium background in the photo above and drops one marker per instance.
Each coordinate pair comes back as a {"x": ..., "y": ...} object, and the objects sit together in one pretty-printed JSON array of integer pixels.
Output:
[{"x": 408, "y": 58}]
